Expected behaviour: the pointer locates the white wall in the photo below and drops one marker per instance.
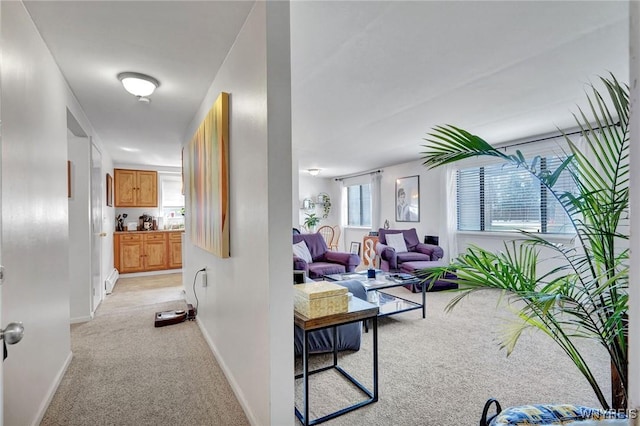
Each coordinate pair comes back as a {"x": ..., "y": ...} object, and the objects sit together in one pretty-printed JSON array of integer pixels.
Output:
[
  {"x": 246, "y": 310},
  {"x": 309, "y": 187},
  {"x": 634, "y": 290},
  {"x": 133, "y": 213},
  {"x": 79, "y": 151},
  {"x": 433, "y": 213},
  {"x": 34, "y": 212},
  {"x": 108, "y": 221},
  {"x": 37, "y": 104},
  {"x": 78, "y": 122},
  {"x": 431, "y": 202}
]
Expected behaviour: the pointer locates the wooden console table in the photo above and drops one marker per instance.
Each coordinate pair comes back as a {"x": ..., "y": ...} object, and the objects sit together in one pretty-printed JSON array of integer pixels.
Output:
[{"x": 359, "y": 310}]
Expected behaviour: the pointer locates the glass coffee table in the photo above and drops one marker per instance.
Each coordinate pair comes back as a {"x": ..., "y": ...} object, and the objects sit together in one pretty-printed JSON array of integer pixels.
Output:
[{"x": 388, "y": 303}]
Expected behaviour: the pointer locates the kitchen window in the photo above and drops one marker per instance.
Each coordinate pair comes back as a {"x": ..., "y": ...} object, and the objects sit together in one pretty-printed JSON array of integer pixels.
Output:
[{"x": 171, "y": 201}]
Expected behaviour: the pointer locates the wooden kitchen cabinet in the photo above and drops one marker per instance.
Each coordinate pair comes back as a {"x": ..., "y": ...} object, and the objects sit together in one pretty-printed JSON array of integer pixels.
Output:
[
  {"x": 175, "y": 250},
  {"x": 129, "y": 253},
  {"x": 135, "y": 188},
  {"x": 155, "y": 251},
  {"x": 144, "y": 251}
]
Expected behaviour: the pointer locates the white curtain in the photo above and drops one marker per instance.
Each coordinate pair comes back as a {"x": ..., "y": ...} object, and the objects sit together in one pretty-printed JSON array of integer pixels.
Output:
[
  {"x": 344, "y": 219},
  {"x": 448, "y": 233},
  {"x": 371, "y": 178},
  {"x": 376, "y": 205}
]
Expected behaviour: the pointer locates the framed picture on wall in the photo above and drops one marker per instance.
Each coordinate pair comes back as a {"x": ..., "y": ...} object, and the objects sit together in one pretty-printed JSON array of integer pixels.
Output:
[
  {"x": 408, "y": 199},
  {"x": 355, "y": 248},
  {"x": 109, "y": 190},
  {"x": 68, "y": 179}
]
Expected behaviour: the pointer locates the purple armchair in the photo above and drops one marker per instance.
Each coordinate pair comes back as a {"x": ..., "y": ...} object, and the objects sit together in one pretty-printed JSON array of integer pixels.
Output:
[
  {"x": 325, "y": 262},
  {"x": 390, "y": 260}
]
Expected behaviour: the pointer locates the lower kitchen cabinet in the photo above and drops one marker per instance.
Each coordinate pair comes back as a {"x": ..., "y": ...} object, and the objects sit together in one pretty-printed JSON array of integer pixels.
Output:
[
  {"x": 155, "y": 251},
  {"x": 129, "y": 253},
  {"x": 175, "y": 250},
  {"x": 147, "y": 251}
]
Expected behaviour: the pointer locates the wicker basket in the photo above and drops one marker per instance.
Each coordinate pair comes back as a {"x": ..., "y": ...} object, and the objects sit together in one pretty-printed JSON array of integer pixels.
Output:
[{"x": 320, "y": 299}]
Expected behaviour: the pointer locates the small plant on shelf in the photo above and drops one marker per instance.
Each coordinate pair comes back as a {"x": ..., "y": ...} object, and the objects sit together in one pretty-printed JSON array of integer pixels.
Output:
[{"x": 311, "y": 221}]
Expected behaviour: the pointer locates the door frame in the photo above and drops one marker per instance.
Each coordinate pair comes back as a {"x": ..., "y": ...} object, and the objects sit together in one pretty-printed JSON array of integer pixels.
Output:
[{"x": 97, "y": 187}]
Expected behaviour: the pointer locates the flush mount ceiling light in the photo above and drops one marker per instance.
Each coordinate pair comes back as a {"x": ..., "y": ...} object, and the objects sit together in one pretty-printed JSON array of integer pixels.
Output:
[
  {"x": 139, "y": 85},
  {"x": 313, "y": 172}
]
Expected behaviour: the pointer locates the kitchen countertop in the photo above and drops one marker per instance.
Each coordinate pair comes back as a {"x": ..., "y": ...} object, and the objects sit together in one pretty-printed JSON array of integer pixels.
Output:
[{"x": 149, "y": 232}]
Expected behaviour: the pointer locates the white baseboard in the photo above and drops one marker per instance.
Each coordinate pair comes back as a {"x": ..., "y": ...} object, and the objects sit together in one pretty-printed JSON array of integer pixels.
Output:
[
  {"x": 234, "y": 386},
  {"x": 52, "y": 390},
  {"x": 146, "y": 274},
  {"x": 78, "y": 320}
]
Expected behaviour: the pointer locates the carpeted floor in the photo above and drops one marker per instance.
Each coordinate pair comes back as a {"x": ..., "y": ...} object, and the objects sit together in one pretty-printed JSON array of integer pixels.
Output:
[
  {"x": 127, "y": 372},
  {"x": 439, "y": 371}
]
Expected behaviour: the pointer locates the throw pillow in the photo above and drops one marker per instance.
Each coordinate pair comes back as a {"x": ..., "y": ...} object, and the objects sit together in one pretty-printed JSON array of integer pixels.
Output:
[
  {"x": 396, "y": 241},
  {"x": 548, "y": 414},
  {"x": 302, "y": 251}
]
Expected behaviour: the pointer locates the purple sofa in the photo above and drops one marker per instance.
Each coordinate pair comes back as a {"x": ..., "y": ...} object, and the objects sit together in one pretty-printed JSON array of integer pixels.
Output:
[
  {"x": 417, "y": 251},
  {"x": 325, "y": 261},
  {"x": 416, "y": 261}
]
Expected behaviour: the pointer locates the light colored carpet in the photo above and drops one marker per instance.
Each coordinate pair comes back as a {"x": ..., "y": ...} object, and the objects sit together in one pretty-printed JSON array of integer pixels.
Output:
[
  {"x": 127, "y": 372},
  {"x": 439, "y": 371}
]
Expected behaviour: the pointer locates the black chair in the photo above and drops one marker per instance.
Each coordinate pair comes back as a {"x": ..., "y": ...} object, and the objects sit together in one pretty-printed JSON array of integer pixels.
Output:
[{"x": 296, "y": 231}]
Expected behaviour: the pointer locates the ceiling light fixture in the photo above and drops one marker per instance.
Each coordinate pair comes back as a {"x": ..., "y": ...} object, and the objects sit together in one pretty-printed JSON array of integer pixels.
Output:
[
  {"x": 313, "y": 172},
  {"x": 140, "y": 85}
]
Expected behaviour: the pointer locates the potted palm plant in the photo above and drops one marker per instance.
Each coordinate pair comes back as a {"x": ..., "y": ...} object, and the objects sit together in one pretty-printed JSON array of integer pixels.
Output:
[{"x": 587, "y": 296}]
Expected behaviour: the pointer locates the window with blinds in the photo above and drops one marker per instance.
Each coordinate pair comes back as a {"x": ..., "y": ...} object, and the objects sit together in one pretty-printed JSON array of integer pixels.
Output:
[
  {"x": 503, "y": 197},
  {"x": 171, "y": 198},
  {"x": 359, "y": 205},
  {"x": 172, "y": 192}
]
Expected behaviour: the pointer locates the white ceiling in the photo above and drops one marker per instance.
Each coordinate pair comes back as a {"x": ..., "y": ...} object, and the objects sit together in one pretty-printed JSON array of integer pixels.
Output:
[{"x": 369, "y": 79}]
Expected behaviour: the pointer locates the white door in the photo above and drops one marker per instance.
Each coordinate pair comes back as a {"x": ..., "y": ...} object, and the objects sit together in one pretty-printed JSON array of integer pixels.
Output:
[
  {"x": 97, "y": 186},
  {"x": 1, "y": 268}
]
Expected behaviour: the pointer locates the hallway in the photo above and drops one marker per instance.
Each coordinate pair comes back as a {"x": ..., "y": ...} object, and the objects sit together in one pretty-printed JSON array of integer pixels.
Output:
[{"x": 127, "y": 372}]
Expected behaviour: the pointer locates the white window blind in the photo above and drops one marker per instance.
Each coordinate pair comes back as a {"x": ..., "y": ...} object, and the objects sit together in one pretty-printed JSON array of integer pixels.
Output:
[
  {"x": 503, "y": 197},
  {"x": 470, "y": 200},
  {"x": 172, "y": 192}
]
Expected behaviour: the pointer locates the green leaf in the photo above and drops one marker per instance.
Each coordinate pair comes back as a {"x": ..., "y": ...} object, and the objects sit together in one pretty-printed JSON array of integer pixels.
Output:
[{"x": 586, "y": 294}]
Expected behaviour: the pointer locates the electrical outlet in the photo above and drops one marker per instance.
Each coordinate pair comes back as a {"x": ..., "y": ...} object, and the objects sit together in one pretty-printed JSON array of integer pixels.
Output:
[{"x": 204, "y": 278}]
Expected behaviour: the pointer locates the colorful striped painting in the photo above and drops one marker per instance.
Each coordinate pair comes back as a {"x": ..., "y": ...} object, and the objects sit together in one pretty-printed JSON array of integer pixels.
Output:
[{"x": 208, "y": 167}]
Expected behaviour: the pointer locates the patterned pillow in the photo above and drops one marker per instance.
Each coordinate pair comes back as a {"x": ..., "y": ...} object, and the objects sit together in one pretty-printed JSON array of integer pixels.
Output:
[{"x": 527, "y": 415}]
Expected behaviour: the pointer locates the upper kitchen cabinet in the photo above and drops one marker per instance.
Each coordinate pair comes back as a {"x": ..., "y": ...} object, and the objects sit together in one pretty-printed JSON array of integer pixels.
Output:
[{"x": 136, "y": 188}]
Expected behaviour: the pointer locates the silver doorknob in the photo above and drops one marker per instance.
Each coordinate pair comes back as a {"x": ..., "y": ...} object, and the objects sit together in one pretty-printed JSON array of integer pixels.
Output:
[{"x": 13, "y": 333}]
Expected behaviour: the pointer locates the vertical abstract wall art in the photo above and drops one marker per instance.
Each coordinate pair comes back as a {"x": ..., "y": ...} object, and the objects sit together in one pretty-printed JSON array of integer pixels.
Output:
[{"x": 208, "y": 166}]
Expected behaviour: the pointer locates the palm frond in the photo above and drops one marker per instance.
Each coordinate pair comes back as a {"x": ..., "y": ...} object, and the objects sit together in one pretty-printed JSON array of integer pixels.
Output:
[
  {"x": 586, "y": 294},
  {"x": 447, "y": 144}
]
